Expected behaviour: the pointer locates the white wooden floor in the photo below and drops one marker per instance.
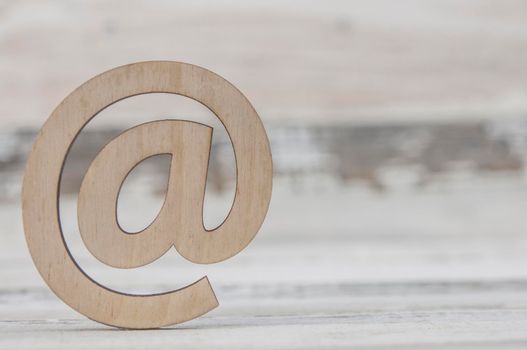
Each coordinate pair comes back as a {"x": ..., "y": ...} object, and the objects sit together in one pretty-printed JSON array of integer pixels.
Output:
[{"x": 437, "y": 269}]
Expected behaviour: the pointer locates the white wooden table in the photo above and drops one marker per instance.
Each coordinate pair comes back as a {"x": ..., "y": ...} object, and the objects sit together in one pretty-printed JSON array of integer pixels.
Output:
[{"x": 442, "y": 268}]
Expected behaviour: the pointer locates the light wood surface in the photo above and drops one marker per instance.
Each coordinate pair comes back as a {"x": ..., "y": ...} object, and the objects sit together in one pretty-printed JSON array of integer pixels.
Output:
[
  {"x": 427, "y": 276},
  {"x": 445, "y": 268},
  {"x": 180, "y": 221}
]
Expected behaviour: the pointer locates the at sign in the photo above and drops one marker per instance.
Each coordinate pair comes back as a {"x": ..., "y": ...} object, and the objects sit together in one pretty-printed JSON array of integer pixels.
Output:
[{"x": 179, "y": 225}]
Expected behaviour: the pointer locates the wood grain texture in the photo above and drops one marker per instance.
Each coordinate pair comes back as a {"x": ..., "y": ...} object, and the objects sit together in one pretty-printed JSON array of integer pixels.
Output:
[{"x": 189, "y": 144}]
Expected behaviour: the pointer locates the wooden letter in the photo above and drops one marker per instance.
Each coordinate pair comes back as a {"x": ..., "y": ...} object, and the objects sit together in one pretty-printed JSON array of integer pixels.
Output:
[{"x": 179, "y": 225}]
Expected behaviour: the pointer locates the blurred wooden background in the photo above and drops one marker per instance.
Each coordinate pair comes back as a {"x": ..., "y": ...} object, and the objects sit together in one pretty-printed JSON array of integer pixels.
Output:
[{"x": 399, "y": 133}]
